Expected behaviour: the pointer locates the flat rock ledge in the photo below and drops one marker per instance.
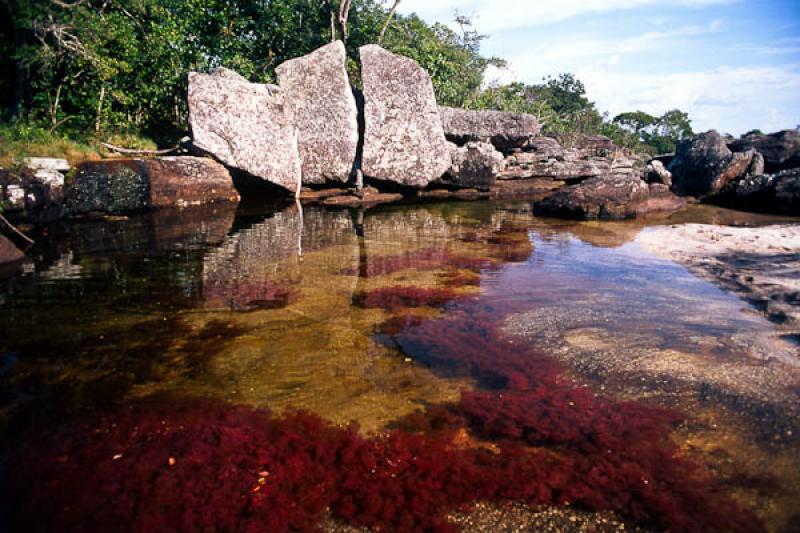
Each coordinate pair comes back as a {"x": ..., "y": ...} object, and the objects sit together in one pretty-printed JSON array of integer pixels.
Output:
[{"x": 758, "y": 264}]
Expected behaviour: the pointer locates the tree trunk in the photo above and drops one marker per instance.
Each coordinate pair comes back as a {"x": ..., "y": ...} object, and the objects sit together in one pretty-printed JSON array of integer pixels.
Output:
[
  {"x": 99, "y": 109},
  {"x": 388, "y": 20}
]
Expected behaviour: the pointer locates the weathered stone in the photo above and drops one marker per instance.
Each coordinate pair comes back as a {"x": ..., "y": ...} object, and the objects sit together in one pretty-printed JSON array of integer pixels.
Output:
[
  {"x": 655, "y": 172},
  {"x": 544, "y": 148},
  {"x": 318, "y": 95},
  {"x": 46, "y": 163},
  {"x": 475, "y": 165},
  {"x": 403, "y": 141},
  {"x": 52, "y": 182},
  {"x": 756, "y": 166},
  {"x": 122, "y": 185},
  {"x": 245, "y": 125},
  {"x": 9, "y": 253},
  {"x": 504, "y": 130},
  {"x": 781, "y": 150},
  {"x": 606, "y": 197},
  {"x": 703, "y": 165},
  {"x": 776, "y": 193}
]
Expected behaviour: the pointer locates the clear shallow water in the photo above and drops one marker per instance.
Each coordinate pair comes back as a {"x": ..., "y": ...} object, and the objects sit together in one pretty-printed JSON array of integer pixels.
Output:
[{"x": 289, "y": 309}]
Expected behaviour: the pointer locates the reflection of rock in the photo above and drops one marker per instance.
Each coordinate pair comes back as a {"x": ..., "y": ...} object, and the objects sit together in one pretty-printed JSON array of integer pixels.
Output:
[
  {"x": 261, "y": 263},
  {"x": 403, "y": 141},
  {"x": 245, "y": 125},
  {"x": 317, "y": 91}
]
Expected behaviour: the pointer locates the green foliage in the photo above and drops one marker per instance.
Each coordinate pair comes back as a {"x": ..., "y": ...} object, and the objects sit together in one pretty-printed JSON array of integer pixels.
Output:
[
  {"x": 97, "y": 69},
  {"x": 660, "y": 134}
]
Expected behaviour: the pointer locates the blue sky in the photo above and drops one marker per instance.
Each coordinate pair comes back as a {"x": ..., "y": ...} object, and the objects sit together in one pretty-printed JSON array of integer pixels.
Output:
[{"x": 734, "y": 65}]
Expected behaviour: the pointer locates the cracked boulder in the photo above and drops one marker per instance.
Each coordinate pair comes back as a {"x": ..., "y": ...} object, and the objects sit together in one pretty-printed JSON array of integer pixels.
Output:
[
  {"x": 318, "y": 96},
  {"x": 245, "y": 125}
]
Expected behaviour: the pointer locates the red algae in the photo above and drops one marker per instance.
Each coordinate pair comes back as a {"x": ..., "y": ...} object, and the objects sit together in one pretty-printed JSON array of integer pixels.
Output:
[{"x": 393, "y": 298}]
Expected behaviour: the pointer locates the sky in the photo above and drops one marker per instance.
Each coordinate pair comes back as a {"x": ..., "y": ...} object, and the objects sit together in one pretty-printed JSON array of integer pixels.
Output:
[{"x": 733, "y": 65}]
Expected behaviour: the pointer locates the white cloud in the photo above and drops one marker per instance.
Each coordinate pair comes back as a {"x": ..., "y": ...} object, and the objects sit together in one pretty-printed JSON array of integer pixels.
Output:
[
  {"x": 732, "y": 100},
  {"x": 499, "y": 15}
]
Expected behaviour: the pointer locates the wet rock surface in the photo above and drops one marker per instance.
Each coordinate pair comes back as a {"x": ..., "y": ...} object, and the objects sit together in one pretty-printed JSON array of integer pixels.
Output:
[
  {"x": 317, "y": 92},
  {"x": 502, "y": 129},
  {"x": 404, "y": 140},
  {"x": 9, "y": 253},
  {"x": 122, "y": 185},
  {"x": 704, "y": 165},
  {"x": 245, "y": 125},
  {"x": 608, "y": 197}
]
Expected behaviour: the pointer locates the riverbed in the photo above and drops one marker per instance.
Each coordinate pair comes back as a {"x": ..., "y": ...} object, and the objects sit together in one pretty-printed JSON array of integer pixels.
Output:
[{"x": 457, "y": 364}]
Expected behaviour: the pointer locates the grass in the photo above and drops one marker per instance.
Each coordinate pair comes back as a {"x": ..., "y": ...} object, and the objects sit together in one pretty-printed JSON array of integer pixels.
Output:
[{"x": 24, "y": 139}]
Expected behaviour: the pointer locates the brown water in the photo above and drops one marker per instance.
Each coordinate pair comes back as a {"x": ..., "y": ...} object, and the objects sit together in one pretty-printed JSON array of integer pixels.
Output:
[{"x": 265, "y": 308}]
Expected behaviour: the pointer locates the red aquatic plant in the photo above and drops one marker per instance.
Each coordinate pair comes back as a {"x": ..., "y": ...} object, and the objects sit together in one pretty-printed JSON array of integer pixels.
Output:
[
  {"x": 248, "y": 295},
  {"x": 393, "y": 298}
]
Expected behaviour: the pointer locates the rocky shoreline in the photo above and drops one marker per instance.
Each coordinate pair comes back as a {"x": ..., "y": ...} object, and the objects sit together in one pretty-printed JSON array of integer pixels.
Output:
[{"x": 318, "y": 139}]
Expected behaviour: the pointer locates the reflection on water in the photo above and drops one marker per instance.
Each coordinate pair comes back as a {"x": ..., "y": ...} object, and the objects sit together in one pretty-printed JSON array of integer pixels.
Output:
[{"x": 373, "y": 317}]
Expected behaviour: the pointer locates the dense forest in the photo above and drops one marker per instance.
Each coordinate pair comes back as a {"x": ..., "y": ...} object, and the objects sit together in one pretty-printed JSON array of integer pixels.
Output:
[{"x": 95, "y": 69}]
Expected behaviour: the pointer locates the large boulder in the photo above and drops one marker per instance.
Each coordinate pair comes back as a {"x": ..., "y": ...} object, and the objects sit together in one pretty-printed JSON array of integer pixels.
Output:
[
  {"x": 404, "y": 140},
  {"x": 476, "y": 165},
  {"x": 323, "y": 108},
  {"x": 505, "y": 131},
  {"x": 781, "y": 150},
  {"x": 704, "y": 165},
  {"x": 608, "y": 197},
  {"x": 245, "y": 125},
  {"x": 122, "y": 185}
]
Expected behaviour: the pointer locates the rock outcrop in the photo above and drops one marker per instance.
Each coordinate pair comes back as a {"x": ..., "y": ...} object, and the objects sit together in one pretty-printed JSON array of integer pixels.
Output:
[
  {"x": 116, "y": 186},
  {"x": 781, "y": 150},
  {"x": 704, "y": 165},
  {"x": 586, "y": 157},
  {"x": 9, "y": 253},
  {"x": 245, "y": 125},
  {"x": 608, "y": 197},
  {"x": 404, "y": 140},
  {"x": 775, "y": 193},
  {"x": 476, "y": 165},
  {"x": 505, "y": 131},
  {"x": 317, "y": 93}
]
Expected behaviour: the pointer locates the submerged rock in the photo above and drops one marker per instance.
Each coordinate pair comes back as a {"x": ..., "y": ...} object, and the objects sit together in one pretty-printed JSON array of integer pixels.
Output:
[
  {"x": 608, "y": 197},
  {"x": 116, "y": 186},
  {"x": 704, "y": 164},
  {"x": 323, "y": 108},
  {"x": 245, "y": 125},
  {"x": 781, "y": 150},
  {"x": 504, "y": 130},
  {"x": 404, "y": 140},
  {"x": 475, "y": 165}
]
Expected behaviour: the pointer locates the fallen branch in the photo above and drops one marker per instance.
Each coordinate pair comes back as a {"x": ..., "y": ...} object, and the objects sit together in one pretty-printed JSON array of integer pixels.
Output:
[
  {"x": 132, "y": 151},
  {"x": 13, "y": 228}
]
